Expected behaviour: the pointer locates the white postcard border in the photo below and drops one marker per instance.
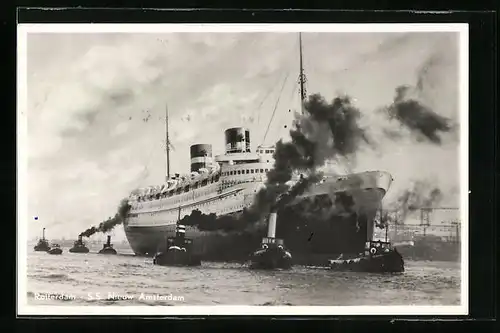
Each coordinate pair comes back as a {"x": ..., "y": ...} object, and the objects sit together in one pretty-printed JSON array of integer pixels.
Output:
[{"x": 22, "y": 175}]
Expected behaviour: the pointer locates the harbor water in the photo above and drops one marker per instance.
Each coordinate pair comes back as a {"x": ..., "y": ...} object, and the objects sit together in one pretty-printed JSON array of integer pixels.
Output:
[{"x": 125, "y": 279}]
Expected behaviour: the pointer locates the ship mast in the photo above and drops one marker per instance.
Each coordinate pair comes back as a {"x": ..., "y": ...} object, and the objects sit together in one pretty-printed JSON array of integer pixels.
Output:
[
  {"x": 167, "y": 145},
  {"x": 302, "y": 76}
]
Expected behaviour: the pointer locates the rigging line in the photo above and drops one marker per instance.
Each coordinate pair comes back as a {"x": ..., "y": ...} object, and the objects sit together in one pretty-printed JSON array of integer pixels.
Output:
[
  {"x": 292, "y": 94},
  {"x": 286, "y": 114},
  {"x": 269, "y": 91},
  {"x": 275, "y": 107},
  {"x": 289, "y": 117}
]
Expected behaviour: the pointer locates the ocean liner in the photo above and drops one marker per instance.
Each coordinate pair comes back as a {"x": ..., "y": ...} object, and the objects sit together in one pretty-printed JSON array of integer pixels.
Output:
[{"x": 228, "y": 183}]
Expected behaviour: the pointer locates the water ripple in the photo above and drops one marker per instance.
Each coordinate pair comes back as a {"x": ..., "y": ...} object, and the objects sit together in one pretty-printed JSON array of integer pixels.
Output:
[{"x": 423, "y": 283}]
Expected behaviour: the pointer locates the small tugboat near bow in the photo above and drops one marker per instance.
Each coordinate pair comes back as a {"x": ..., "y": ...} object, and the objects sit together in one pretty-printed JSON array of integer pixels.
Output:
[
  {"x": 272, "y": 254},
  {"x": 178, "y": 250}
]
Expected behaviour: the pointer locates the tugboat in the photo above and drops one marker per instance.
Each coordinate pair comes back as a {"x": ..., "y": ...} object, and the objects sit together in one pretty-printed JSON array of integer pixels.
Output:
[
  {"x": 272, "y": 253},
  {"x": 79, "y": 246},
  {"x": 107, "y": 248},
  {"x": 55, "y": 249},
  {"x": 43, "y": 244},
  {"x": 378, "y": 257},
  {"x": 179, "y": 251}
]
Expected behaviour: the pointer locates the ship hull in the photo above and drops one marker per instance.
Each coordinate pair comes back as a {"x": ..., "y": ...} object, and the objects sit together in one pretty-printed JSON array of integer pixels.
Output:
[{"x": 146, "y": 231}]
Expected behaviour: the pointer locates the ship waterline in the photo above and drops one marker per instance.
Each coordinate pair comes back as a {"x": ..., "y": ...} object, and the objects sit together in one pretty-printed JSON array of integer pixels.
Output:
[{"x": 149, "y": 223}]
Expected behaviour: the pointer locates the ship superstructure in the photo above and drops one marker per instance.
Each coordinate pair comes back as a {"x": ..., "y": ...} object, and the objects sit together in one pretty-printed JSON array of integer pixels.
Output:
[{"x": 227, "y": 183}]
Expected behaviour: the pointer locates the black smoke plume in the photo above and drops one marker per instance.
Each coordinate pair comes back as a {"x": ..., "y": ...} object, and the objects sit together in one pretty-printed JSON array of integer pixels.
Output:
[
  {"x": 297, "y": 189},
  {"x": 343, "y": 119},
  {"x": 421, "y": 195},
  {"x": 420, "y": 107},
  {"x": 236, "y": 222},
  {"x": 110, "y": 223},
  {"x": 325, "y": 131},
  {"x": 417, "y": 117}
]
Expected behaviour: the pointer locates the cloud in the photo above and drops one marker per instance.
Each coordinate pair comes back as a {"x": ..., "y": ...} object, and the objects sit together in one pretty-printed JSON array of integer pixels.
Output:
[{"x": 121, "y": 128}]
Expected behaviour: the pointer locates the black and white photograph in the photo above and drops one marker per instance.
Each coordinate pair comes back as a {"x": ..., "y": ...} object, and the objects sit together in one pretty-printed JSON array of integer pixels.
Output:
[{"x": 217, "y": 169}]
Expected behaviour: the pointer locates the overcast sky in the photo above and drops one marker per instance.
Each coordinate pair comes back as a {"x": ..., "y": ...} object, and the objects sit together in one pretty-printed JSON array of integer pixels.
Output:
[{"x": 89, "y": 94}]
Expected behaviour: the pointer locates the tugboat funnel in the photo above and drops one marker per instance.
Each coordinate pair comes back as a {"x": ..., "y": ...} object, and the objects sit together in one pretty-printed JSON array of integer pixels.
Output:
[
  {"x": 108, "y": 243},
  {"x": 180, "y": 231},
  {"x": 43, "y": 233},
  {"x": 271, "y": 228},
  {"x": 80, "y": 238}
]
